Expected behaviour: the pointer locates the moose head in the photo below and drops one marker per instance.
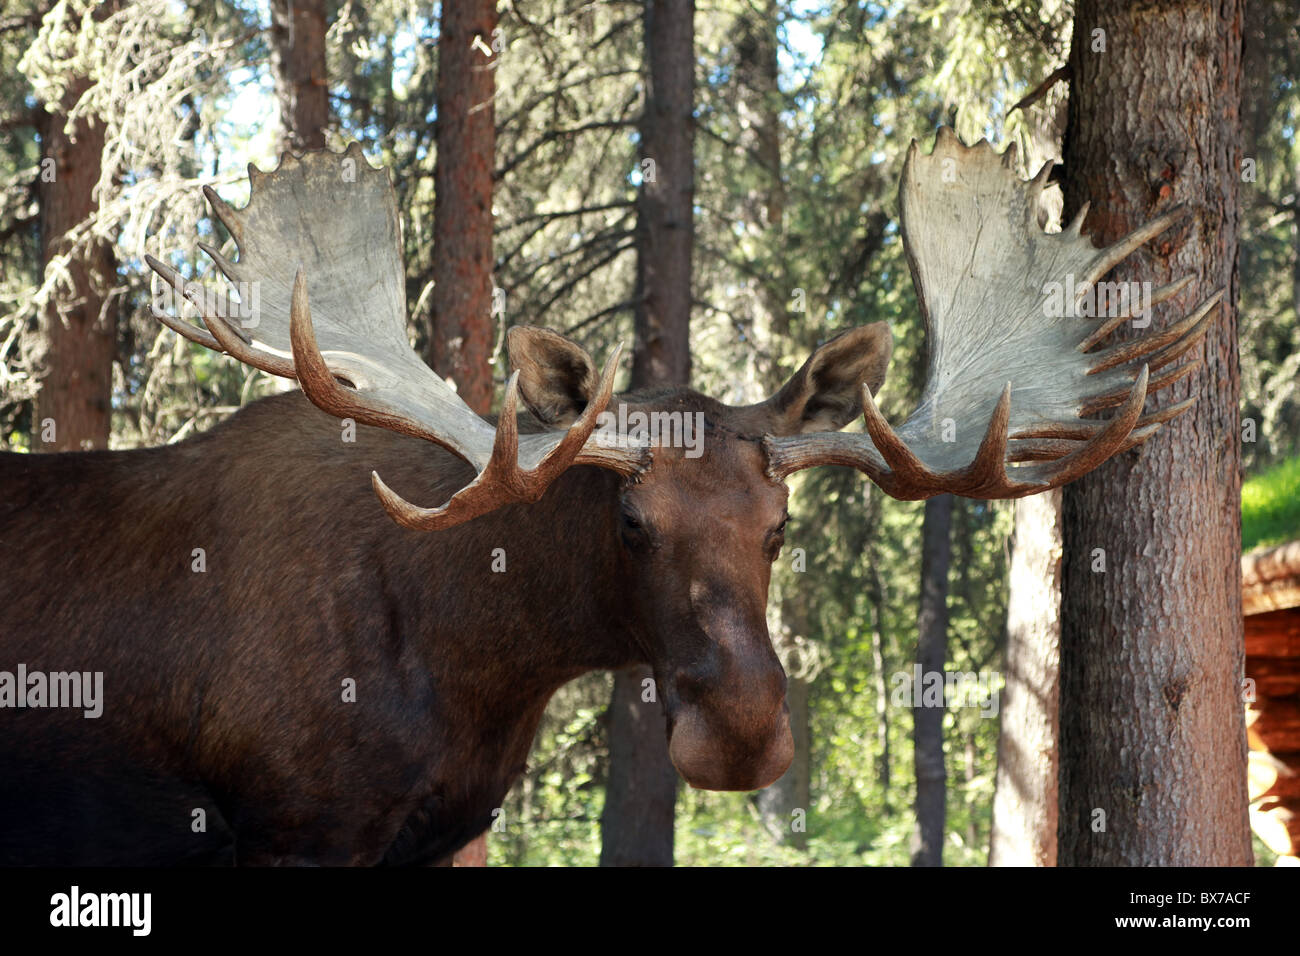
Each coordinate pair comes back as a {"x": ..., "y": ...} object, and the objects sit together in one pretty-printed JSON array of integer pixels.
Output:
[{"x": 1008, "y": 409}]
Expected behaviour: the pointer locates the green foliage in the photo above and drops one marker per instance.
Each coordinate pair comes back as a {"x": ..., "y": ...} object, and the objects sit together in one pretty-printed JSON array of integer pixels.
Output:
[{"x": 1270, "y": 506}]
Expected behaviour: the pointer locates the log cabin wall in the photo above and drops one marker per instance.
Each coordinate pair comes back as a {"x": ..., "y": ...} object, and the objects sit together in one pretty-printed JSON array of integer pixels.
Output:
[{"x": 1271, "y": 605}]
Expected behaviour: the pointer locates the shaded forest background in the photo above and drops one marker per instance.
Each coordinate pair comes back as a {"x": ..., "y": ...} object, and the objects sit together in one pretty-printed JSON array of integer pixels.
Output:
[{"x": 803, "y": 112}]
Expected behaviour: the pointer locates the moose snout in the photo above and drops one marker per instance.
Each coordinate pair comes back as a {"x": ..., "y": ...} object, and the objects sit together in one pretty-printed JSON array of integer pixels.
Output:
[
  {"x": 732, "y": 734},
  {"x": 711, "y": 757}
]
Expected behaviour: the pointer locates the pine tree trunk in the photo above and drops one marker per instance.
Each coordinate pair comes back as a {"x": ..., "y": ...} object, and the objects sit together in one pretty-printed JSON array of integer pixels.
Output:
[
  {"x": 301, "y": 79},
  {"x": 636, "y": 826},
  {"x": 78, "y": 328},
  {"x": 665, "y": 223},
  {"x": 1153, "y": 744},
  {"x": 879, "y": 667},
  {"x": 637, "y": 823},
  {"x": 460, "y": 339},
  {"x": 780, "y": 804},
  {"x": 758, "y": 108},
  {"x": 932, "y": 655},
  {"x": 1025, "y": 795},
  {"x": 460, "y": 343}
]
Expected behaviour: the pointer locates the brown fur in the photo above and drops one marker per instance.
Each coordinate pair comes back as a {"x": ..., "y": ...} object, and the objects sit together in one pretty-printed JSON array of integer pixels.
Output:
[{"x": 223, "y": 689}]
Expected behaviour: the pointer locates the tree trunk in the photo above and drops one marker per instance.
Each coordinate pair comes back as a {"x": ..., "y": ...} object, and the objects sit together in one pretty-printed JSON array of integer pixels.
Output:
[
  {"x": 637, "y": 823},
  {"x": 636, "y": 826},
  {"x": 759, "y": 145},
  {"x": 879, "y": 667},
  {"x": 1153, "y": 743},
  {"x": 932, "y": 655},
  {"x": 1024, "y": 799},
  {"x": 460, "y": 341},
  {"x": 783, "y": 805},
  {"x": 665, "y": 225},
  {"x": 301, "y": 78},
  {"x": 78, "y": 328}
]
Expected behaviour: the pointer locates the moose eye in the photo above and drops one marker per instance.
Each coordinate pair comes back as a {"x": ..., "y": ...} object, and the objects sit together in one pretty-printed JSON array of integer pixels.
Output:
[
  {"x": 633, "y": 530},
  {"x": 776, "y": 538}
]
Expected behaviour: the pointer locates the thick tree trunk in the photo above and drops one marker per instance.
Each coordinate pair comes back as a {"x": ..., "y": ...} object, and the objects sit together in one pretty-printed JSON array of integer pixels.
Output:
[
  {"x": 636, "y": 827},
  {"x": 1153, "y": 743},
  {"x": 932, "y": 655},
  {"x": 758, "y": 108},
  {"x": 637, "y": 823},
  {"x": 1024, "y": 799},
  {"x": 665, "y": 225},
  {"x": 301, "y": 79},
  {"x": 78, "y": 328},
  {"x": 460, "y": 343},
  {"x": 460, "y": 339}
]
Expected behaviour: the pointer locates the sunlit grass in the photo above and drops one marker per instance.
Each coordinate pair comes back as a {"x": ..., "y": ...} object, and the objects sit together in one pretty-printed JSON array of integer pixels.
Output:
[{"x": 1270, "y": 506}]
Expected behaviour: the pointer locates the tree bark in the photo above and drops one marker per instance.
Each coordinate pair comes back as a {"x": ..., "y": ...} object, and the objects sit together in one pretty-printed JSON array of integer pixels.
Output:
[
  {"x": 1025, "y": 794},
  {"x": 637, "y": 823},
  {"x": 1153, "y": 743},
  {"x": 636, "y": 826},
  {"x": 932, "y": 655},
  {"x": 78, "y": 328},
  {"x": 301, "y": 78},
  {"x": 779, "y": 804},
  {"x": 879, "y": 666},
  {"x": 759, "y": 149},
  {"x": 460, "y": 341},
  {"x": 665, "y": 224}
]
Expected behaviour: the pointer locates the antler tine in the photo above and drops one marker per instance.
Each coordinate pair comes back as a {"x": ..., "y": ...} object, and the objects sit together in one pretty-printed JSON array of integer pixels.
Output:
[
  {"x": 503, "y": 479},
  {"x": 1075, "y": 228},
  {"x": 314, "y": 375},
  {"x": 223, "y": 336},
  {"x": 1193, "y": 326},
  {"x": 905, "y": 469},
  {"x": 225, "y": 265},
  {"x": 988, "y": 470},
  {"x": 1082, "y": 431},
  {"x": 321, "y": 385},
  {"x": 176, "y": 323},
  {"x": 1101, "y": 446},
  {"x": 229, "y": 218},
  {"x": 1116, "y": 395},
  {"x": 1116, "y": 252},
  {"x": 1111, "y": 324}
]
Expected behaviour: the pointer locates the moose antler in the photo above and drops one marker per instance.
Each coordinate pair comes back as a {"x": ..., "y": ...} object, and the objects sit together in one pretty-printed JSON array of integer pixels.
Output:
[
  {"x": 331, "y": 219},
  {"x": 998, "y": 352}
]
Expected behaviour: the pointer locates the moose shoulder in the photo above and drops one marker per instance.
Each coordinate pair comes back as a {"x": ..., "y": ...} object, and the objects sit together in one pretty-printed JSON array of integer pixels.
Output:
[{"x": 289, "y": 676}]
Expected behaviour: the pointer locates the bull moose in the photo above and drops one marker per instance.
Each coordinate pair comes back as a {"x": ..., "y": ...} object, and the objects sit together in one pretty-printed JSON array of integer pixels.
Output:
[{"x": 325, "y": 675}]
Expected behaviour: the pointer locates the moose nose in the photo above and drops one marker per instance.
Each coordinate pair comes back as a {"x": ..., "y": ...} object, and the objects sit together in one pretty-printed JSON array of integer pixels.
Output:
[{"x": 713, "y": 757}]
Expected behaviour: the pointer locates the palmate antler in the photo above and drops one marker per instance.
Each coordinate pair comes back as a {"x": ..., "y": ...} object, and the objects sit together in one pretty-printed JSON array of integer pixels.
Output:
[
  {"x": 998, "y": 352},
  {"x": 330, "y": 220}
]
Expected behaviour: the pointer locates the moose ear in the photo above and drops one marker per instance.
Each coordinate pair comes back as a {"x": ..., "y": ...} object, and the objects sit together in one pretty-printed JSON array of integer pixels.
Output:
[
  {"x": 826, "y": 393},
  {"x": 556, "y": 375}
]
